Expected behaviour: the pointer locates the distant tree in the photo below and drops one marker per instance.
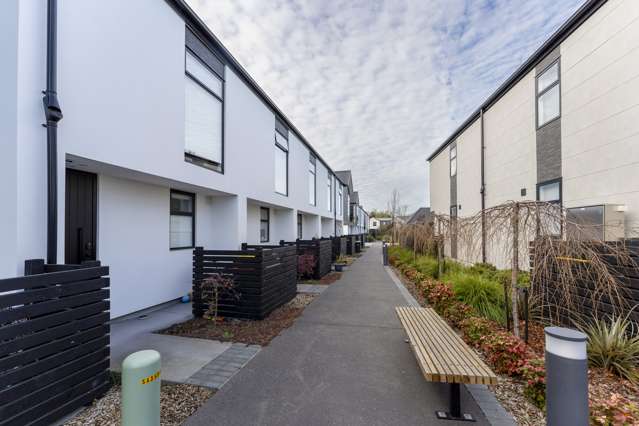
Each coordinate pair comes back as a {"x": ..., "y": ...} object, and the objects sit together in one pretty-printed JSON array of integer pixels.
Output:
[{"x": 379, "y": 213}]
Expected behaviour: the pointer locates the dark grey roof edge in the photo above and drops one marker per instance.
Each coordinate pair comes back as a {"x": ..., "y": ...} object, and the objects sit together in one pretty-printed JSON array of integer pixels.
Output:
[
  {"x": 579, "y": 17},
  {"x": 185, "y": 11}
]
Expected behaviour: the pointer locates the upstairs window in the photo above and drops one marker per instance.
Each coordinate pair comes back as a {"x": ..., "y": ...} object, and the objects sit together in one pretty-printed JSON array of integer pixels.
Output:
[
  {"x": 548, "y": 99},
  {"x": 453, "y": 161},
  {"x": 329, "y": 188},
  {"x": 203, "y": 113},
  {"x": 281, "y": 163},
  {"x": 265, "y": 219},
  {"x": 182, "y": 221},
  {"x": 312, "y": 170},
  {"x": 299, "y": 226},
  {"x": 338, "y": 205}
]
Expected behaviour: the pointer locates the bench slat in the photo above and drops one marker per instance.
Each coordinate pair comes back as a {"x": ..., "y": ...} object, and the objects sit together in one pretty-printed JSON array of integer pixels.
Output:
[{"x": 441, "y": 353}]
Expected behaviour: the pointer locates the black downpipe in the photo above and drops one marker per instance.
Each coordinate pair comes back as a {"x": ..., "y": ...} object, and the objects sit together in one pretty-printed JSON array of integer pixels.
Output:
[
  {"x": 483, "y": 191},
  {"x": 53, "y": 114}
]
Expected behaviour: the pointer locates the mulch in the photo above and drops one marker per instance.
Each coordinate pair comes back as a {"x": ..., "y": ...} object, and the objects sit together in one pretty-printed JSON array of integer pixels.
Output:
[
  {"x": 259, "y": 332},
  {"x": 327, "y": 279},
  {"x": 177, "y": 402}
]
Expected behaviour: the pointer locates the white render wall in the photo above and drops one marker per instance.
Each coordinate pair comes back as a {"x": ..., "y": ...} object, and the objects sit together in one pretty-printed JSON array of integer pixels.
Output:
[
  {"x": 600, "y": 111},
  {"x": 121, "y": 88}
]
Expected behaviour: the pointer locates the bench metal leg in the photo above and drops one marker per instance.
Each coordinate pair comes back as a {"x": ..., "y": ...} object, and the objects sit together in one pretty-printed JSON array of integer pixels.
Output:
[{"x": 454, "y": 412}]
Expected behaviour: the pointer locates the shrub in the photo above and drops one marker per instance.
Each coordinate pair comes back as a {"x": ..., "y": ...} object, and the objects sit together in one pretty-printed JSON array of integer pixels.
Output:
[
  {"x": 456, "y": 312},
  {"x": 506, "y": 353},
  {"x": 427, "y": 266},
  {"x": 534, "y": 373},
  {"x": 486, "y": 270},
  {"x": 305, "y": 266},
  {"x": 611, "y": 346},
  {"x": 440, "y": 295},
  {"x": 214, "y": 287},
  {"x": 486, "y": 297},
  {"x": 474, "y": 328}
]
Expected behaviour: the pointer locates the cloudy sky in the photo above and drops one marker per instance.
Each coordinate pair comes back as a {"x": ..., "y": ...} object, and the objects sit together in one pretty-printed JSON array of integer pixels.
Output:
[{"x": 376, "y": 85}]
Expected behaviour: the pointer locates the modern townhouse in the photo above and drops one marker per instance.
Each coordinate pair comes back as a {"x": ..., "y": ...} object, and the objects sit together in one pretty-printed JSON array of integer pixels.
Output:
[
  {"x": 166, "y": 144},
  {"x": 353, "y": 213},
  {"x": 563, "y": 128}
]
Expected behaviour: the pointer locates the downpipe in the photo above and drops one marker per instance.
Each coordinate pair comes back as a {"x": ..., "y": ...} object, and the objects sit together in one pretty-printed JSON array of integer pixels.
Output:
[{"x": 52, "y": 114}]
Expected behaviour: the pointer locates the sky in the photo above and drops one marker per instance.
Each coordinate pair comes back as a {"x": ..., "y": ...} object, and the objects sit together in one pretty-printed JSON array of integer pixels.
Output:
[{"x": 376, "y": 85}]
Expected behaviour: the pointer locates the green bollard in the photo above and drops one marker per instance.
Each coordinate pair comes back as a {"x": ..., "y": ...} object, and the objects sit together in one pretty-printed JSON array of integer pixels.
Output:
[{"x": 141, "y": 389}]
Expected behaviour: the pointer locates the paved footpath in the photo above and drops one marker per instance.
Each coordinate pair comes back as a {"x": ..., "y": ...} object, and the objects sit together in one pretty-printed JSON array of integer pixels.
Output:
[{"x": 344, "y": 362}]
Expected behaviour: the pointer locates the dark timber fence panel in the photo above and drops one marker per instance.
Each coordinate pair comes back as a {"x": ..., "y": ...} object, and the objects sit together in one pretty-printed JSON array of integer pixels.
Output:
[
  {"x": 265, "y": 277},
  {"x": 322, "y": 250},
  {"x": 54, "y": 341},
  {"x": 350, "y": 244},
  {"x": 581, "y": 293},
  {"x": 339, "y": 247}
]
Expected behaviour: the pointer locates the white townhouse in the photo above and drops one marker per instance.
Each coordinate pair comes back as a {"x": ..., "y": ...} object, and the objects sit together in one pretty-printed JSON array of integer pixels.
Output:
[
  {"x": 354, "y": 217},
  {"x": 563, "y": 128},
  {"x": 166, "y": 143}
]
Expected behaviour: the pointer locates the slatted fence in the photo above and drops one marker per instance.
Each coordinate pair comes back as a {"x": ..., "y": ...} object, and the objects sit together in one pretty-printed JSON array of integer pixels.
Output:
[
  {"x": 54, "y": 341},
  {"x": 350, "y": 245},
  {"x": 322, "y": 250},
  {"x": 339, "y": 247},
  {"x": 264, "y": 276},
  {"x": 581, "y": 294}
]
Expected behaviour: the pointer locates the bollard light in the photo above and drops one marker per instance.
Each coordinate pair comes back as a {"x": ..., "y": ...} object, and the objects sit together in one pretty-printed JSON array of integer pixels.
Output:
[
  {"x": 566, "y": 377},
  {"x": 141, "y": 389}
]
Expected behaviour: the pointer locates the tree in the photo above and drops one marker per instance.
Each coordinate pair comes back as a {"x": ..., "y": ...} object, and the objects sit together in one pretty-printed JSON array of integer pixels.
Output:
[{"x": 396, "y": 210}]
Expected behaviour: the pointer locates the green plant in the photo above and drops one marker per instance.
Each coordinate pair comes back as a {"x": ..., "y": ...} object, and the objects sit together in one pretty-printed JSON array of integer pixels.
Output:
[
  {"x": 533, "y": 371},
  {"x": 486, "y": 297},
  {"x": 305, "y": 266},
  {"x": 613, "y": 345},
  {"x": 506, "y": 353},
  {"x": 214, "y": 287},
  {"x": 474, "y": 328},
  {"x": 427, "y": 266},
  {"x": 617, "y": 410}
]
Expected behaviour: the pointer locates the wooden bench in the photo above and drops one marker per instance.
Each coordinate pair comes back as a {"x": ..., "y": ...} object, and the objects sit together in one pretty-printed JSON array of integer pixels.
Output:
[{"x": 443, "y": 356}]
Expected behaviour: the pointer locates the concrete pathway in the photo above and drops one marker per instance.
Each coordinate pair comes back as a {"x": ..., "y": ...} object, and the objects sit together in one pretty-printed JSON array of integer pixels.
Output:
[{"x": 345, "y": 361}]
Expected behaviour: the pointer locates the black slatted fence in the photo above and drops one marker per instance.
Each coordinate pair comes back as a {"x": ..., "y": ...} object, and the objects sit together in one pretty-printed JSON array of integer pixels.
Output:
[
  {"x": 264, "y": 276},
  {"x": 339, "y": 247},
  {"x": 54, "y": 341},
  {"x": 582, "y": 293},
  {"x": 322, "y": 250}
]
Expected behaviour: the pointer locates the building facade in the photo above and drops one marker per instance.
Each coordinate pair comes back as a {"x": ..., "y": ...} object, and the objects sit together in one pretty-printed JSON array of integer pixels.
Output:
[
  {"x": 564, "y": 128},
  {"x": 166, "y": 144}
]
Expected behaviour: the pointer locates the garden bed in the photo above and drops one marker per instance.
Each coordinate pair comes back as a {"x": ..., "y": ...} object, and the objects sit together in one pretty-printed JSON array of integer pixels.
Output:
[
  {"x": 177, "y": 402},
  {"x": 521, "y": 387},
  {"x": 251, "y": 332}
]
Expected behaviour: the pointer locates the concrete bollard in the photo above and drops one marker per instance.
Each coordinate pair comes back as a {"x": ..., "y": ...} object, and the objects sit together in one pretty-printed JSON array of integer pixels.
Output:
[
  {"x": 566, "y": 377},
  {"x": 141, "y": 389}
]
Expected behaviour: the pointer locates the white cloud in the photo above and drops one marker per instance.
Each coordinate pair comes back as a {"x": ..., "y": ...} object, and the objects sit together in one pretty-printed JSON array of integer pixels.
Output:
[{"x": 377, "y": 85}]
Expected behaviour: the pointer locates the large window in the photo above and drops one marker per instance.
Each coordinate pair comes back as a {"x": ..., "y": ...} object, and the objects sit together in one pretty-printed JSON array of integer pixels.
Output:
[
  {"x": 338, "y": 204},
  {"x": 299, "y": 226},
  {"x": 312, "y": 171},
  {"x": 329, "y": 188},
  {"x": 182, "y": 222},
  {"x": 548, "y": 99},
  {"x": 265, "y": 218},
  {"x": 453, "y": 160},
  {"x": 281, "y": 163},
  {"x": 203, "y": 114}
]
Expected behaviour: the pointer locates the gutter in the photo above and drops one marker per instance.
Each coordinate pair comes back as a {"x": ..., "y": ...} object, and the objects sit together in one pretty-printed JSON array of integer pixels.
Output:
[{"x": 52, "y": 114}]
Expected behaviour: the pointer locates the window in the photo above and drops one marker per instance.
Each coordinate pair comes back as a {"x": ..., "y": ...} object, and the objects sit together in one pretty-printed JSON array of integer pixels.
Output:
[
  {"x": 281, "y": 163},
  {"x": 265, "y": 217},
  {"x": 549, "y": 192},
  {"x": 329, "y": 187},
  {"x": 299, "y": 226},
  {"x": 182, "y": 222},
  {"x": 453, "y": 160},
  {"x": 548, "y": 99},
  {"x": 312, "y": 169},
  {"x": 585, "y": 223},
  {"x": 338, "y": 205},
  {"x": 203, "y": 114}
]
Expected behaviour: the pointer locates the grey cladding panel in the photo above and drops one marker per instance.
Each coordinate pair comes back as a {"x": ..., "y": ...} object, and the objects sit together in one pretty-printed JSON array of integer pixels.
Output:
[
  {"x": 549, "y": 59},
  {"x": 549, "y": 151}
]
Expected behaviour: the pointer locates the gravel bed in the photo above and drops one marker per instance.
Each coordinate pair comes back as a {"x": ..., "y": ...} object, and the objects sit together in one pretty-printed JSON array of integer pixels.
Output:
[{"x": 177, "y": 402}]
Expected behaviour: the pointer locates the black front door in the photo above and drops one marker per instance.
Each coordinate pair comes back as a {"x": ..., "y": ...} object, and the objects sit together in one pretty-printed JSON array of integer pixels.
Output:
[{"x": 81, "y": 216}]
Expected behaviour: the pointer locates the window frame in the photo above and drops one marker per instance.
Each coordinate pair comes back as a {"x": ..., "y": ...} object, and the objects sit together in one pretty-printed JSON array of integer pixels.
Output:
[
  {"x": 338, "y": 201},
  {"x": 300, "y": 226},
  {"x": 286, "y": 151},
  {"x": 452, "y": 158},
  {"x": 192, "y": 215},
  {"x": 313, "y": 160},
  {"x": 551, "y": 182},
  {"x": 192, "y": 158},
  {"x": 329, "y": 187},
  {"x": 539, "y": 94},
  {"x": 268, "y": 224}
]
